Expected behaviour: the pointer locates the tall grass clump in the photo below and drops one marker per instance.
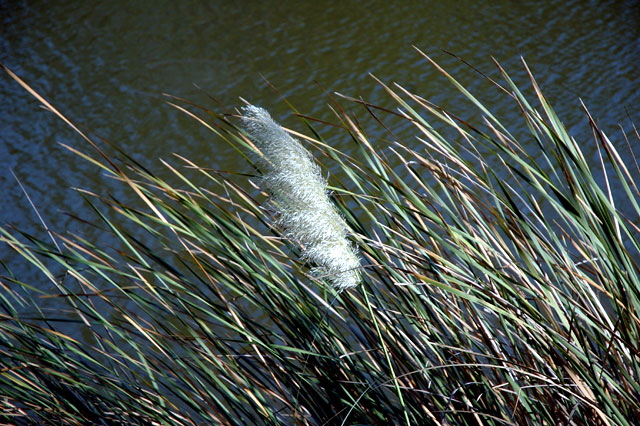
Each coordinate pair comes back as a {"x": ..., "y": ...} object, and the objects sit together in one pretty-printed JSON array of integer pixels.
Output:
[{"x": 498, "y": 281}]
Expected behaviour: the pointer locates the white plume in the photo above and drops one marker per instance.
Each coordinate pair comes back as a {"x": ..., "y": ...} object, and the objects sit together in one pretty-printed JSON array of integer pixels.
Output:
[{"x": 299, "y": 193}]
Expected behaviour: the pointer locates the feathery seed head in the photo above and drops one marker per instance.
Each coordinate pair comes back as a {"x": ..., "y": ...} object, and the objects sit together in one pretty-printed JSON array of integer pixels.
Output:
[{"x": 299, "y": 193}]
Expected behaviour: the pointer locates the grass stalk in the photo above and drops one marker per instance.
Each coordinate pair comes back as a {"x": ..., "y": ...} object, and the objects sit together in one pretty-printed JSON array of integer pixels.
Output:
[
  {"x": 497, "y": 259},
  {"x": 383, "y": 345}
]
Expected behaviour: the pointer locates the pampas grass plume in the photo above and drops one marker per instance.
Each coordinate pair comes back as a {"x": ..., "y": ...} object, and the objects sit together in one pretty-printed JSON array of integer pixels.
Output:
[{"x": 299, "y": 193}]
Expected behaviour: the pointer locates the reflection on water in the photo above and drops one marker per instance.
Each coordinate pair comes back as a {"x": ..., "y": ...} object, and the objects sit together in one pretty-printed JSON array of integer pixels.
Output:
[{"x": 106, "y": 65}]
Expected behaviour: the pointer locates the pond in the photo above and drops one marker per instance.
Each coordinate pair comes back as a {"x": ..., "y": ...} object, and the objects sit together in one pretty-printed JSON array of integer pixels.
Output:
[{"x": 106, "y": 66}]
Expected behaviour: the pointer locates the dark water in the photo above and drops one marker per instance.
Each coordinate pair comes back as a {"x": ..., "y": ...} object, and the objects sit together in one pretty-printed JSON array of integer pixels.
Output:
[{"x": 106, "y": 64}]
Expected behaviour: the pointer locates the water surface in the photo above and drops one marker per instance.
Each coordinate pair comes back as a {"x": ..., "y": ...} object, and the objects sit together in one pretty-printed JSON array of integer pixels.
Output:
[{"x": 106, "y": 65}]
